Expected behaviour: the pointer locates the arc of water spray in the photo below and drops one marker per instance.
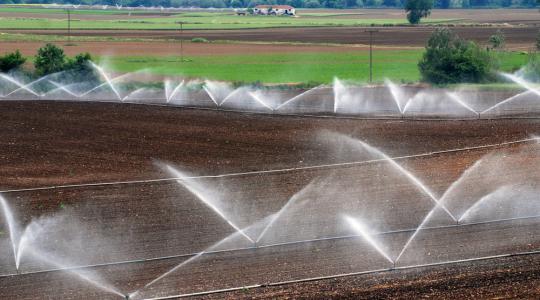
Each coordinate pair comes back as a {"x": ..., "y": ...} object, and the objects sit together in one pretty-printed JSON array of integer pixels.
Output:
[
  {"x": 256, "y": 98},
  {"x": 474, "y": 206},
  {"x": 276, "y": 216},
  {"x": 298, "y": 96},
  {"x": 393, "y": 87},
  {"x": 482, "y": 200},
  {"x": 506, "y": 101},
  {"x": 529, "y": 89},
  {"x": 362, "y": 230},
  {"x": 104, "y": 84},
  {"x": 413, "y": 236},
  {"x": 20, "y": 85},
  {"x": 175, "y": 91},
  {"x": 438, "y": 203},
  {"x": 521, "y": 82},
  {"x": 409, "y": 175},
  {"x": 407, "y": 104},
  {"x": 210, "y": 95},
  {"x": 63, "y": 88},
  {"x": 201, "y": 197},
  {"x": 27, "y": 86},
  {"x": 189, "y": 260},
  {"x": 133, "y": 93},
  {"x": 456, "y": 98},
  {"x": 229, "y": 96},
  {"x": 90, "y": 278},
  {"x": 13, "y": 232},
  {"x": 108, "y": 81},
  {"x": 336, "y": 93}
]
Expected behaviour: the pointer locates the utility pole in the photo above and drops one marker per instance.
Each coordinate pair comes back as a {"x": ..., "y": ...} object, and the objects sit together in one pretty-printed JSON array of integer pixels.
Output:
[
  {"x": 181, "y": 40},
  {"x": 371, "y": 31},
  {"x": 69, "y": 24}
]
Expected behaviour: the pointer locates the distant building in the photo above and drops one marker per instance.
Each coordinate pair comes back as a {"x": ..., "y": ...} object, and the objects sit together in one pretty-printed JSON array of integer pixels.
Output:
[{"x": 277, "y": 10}]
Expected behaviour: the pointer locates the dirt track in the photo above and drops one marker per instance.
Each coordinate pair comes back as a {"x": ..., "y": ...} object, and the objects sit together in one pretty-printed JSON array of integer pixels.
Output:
[{"x": 54, "y": 143}]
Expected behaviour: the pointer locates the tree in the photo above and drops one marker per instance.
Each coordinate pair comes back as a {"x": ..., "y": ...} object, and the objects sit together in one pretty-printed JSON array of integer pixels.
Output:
[
  {"x": 11, "y": 61},
  {"x": 497, "y": 40},
  {"x": 450, "y": 59},
  {"x": 49, "y": 59},
  {"x": 418, "y": 9}
]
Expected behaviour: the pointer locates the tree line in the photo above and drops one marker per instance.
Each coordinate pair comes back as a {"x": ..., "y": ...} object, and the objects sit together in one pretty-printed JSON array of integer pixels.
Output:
[
  {"x": 50, "y": 59},
  {"x": 295, "y": 3}
]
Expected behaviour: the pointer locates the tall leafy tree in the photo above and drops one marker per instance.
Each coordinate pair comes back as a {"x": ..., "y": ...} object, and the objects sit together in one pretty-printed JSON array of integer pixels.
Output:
[
  {"x": 418, "y": 9},
  {"x": 49, "y": 59}
]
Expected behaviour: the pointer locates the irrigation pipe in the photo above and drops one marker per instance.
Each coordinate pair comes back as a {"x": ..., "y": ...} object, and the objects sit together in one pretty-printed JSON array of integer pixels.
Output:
[
  {"x": 283, "y": 170},
  {"x": 269, "y": 246},
  {"x": 280, "y": 283}
]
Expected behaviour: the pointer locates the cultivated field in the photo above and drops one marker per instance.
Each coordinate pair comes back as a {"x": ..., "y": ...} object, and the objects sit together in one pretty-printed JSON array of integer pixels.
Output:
[
  {"x": 259, "y": 48},
  {"x": 57, "y": 143},
  {"x": 163, "y": 183}
]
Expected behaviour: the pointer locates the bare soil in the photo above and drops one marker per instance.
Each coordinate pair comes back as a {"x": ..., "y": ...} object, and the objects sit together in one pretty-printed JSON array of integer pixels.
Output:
[
  {"x": 521, "y": 38},
  {"x": 508, "y": 278},
  {"x": 50, "y": 143},
  {"x": 161, "y": 48}
]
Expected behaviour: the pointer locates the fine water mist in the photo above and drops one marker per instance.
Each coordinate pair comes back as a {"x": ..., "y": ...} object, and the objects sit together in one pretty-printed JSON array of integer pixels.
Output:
[{"x": 342, "y": 97}]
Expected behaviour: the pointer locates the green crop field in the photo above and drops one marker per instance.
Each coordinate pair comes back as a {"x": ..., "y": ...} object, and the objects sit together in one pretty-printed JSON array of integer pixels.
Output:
[
  {"x": 199, "y": 20},
  {"x": 397, "y": 65}
]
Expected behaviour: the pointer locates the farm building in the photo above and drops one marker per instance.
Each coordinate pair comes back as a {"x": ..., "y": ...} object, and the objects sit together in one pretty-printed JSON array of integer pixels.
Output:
[{"x": 274, "y": 10}]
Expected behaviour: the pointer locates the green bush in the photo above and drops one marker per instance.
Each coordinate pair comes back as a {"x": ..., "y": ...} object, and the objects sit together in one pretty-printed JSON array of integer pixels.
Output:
[
  {"x": 49, "y": 59},
  {"x": 11, "y": 61},
  {"x": 450, "y": 59},
  {"x": 199, "y": 40}
]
